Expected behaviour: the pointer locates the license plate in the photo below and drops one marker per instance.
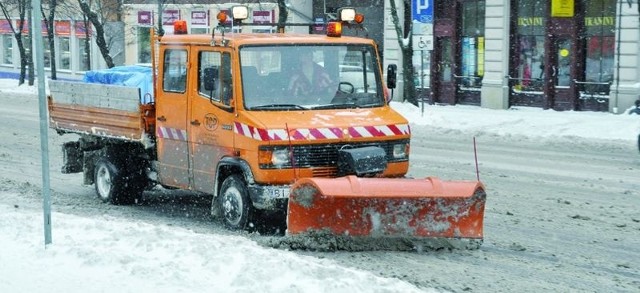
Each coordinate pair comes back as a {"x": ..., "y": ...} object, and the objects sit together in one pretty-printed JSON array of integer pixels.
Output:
[{"x": 277, "y": 192}]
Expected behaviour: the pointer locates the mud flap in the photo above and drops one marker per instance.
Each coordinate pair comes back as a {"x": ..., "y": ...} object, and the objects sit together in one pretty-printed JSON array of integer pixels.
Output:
[{"x": 387, "y": 208}]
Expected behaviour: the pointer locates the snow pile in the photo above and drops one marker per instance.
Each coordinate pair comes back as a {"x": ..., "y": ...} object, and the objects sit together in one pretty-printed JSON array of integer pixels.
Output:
[
  {"x": 106, "y": 254},
  {"x": 525, "y": 121}
]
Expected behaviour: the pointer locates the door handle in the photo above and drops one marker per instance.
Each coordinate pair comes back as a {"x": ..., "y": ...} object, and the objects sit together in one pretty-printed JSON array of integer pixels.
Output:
[
  {"x": 162, "y": 118},
  {"x": 195, "y": 122}
]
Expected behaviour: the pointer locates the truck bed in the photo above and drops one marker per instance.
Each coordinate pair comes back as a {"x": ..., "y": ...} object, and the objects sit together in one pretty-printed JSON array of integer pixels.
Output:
[{"x": 104, "y": 110}]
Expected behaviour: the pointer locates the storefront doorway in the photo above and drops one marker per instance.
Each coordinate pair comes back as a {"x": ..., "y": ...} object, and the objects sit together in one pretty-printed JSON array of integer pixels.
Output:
[
  {"x": 561, "y": 60},
  {"x": 458, "y": 57}
]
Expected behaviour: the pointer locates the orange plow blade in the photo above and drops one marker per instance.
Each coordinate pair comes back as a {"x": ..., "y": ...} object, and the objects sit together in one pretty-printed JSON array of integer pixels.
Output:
[{"x": 387, "y": 208}]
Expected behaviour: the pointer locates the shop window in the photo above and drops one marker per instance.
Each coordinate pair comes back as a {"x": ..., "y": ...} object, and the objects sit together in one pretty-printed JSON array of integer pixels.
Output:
[
  {"x": 7, "y": 49},
  {"x": 47, "y": 52},
  {"x": 199, "y": 30},
  {"x": 444, "y": 72},
  {"x": 65, "y": 53},
  {"x": 472, "y": 44},
  {"x": 563, "y": 66},
  {"x": 84, "y": 53},
  {"x": 599, "y": 45},
  {"x": 26, "y": 42},
  {"x": 529, "y": 63},
  {"x": 144, "y": 44}
]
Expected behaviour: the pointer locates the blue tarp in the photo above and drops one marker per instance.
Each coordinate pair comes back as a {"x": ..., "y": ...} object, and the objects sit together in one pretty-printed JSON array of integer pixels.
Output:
[{"x": 129, "y": 75}]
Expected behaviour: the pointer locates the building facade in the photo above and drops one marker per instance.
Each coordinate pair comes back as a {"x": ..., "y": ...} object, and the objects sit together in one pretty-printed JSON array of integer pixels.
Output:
[
  {"x": 72, "y": 40},
  {"x": 140, "y": 18},
  {"x": 559, "y": 54},
  {"x": 553, "y": 54}
]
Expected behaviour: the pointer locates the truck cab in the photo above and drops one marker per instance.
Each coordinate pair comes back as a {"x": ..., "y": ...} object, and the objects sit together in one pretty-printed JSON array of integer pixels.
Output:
[{"x": 239, "y": 111}]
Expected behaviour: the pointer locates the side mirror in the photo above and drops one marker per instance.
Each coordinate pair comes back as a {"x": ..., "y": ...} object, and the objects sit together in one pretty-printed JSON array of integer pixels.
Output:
[
  {"x": 210, "y": 78},
  {"x": 392, "y": 70}
]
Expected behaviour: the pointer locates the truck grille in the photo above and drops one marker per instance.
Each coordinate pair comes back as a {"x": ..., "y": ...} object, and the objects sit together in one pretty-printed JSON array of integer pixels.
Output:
[{"x": 325, "y": 156}]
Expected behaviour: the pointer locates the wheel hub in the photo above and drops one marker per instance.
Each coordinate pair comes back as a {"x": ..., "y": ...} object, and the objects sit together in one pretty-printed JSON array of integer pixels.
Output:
[{"x": 232, "y": 206}]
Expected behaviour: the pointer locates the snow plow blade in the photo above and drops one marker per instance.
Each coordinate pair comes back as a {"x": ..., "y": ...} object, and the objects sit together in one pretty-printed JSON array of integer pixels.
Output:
[{"x": 377, "y": 209}]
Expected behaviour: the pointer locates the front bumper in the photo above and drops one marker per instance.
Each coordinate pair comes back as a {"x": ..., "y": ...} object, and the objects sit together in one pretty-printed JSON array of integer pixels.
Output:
[{"x": 269, "y": 197}]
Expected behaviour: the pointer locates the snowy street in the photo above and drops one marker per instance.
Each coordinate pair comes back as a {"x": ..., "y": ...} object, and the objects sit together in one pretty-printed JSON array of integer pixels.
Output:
[{"x": 562, "y": 215}]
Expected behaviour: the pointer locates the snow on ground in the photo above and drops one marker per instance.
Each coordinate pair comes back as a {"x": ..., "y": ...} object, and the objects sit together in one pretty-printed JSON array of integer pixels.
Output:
[{"x": 106, "y": 254}]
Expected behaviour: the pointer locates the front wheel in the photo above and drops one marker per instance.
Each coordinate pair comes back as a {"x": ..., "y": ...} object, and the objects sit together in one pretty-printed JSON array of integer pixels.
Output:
[{"x": 235, "y": 205}]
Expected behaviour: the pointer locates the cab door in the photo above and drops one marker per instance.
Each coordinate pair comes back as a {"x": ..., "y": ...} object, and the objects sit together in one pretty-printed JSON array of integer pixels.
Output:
[
  {"x": 171, "y": 118},
  {"x": 211, "y": 114}
]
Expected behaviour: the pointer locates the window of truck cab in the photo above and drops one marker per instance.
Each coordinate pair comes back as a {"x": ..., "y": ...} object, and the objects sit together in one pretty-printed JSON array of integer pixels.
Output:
[
  {"x": 174, "y": 76},
  {"x": 214, "y": 69},
  {"x": 343, "y": 76}
]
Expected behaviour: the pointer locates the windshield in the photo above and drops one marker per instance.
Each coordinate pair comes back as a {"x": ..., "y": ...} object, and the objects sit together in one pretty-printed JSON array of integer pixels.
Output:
[{"x": 288, "y": 77}]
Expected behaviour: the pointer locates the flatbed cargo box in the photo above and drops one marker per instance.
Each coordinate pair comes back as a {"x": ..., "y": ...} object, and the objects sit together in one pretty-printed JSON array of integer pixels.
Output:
[{"x": 103, "y": 110}]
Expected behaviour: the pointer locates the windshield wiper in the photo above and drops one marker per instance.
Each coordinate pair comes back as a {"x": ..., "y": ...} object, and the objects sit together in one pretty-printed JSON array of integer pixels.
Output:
[
  {"x": 335, "y": 106},
  {"x": 279, "y": 107}
]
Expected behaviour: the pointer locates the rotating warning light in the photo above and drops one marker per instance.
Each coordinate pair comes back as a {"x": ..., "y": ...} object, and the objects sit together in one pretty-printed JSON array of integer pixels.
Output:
[
  {"x": 180, "y": 27},
  {"x": 221, "y": 17},
  {"x": 334, "y": 29}
]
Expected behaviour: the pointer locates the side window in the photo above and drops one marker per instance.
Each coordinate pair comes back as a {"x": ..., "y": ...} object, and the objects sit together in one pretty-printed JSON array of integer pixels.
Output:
[
  {"x": 214, "y": 76},
  {"x": 175, "y": 71}
]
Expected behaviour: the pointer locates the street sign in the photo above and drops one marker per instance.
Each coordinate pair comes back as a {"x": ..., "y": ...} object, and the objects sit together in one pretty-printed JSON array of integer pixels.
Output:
[
  {"x": 422, "y": 42},
  {"x": 422, "y": 16},
  {"x": 422, "y": 11}
]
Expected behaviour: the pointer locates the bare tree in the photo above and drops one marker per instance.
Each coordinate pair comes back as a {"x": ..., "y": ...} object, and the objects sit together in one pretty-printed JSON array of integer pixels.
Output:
[
  {"x": 95, "y": 19},
  {"x": 49, "y": 20},
  {"x": 404, "y": 33},
  {"x": 21, "y": 6},
  {"x": 282, "y": 15}
]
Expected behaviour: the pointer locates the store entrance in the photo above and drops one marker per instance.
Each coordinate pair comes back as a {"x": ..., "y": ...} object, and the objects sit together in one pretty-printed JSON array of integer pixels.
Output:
[{"x": 562, "y": 93}]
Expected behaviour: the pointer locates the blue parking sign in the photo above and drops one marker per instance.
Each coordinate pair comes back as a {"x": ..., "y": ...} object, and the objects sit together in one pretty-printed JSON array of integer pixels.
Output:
[{"x": 422, "y": 11}]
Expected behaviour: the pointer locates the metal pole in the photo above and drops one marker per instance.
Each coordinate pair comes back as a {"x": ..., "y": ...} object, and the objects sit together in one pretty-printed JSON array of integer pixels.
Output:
[
  {"x": 619, "y": 29},
  {"x": 44, "y": 134},
  {"x": 160, "y": 20},
  {"x": 422, "y": 80}
]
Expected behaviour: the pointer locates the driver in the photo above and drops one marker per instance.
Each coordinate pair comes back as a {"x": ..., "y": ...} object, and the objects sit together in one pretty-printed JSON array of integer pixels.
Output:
[{"x": 310, "y": 78}]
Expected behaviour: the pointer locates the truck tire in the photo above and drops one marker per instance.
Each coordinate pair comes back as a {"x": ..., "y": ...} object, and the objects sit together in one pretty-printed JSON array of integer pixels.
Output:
[
  {"x": 235, "y": 206},
  {"x": 113, "y": 186}
]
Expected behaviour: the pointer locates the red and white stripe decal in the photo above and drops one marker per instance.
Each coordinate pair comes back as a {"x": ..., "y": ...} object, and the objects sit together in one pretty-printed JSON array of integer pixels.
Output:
[
  {"x": 320, "y": 133},
  {"x": 172, "y": 133}
]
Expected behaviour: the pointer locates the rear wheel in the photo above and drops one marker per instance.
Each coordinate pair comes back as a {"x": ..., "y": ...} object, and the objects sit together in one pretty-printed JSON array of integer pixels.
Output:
[
  {"x": 235, "y": 205},
  {"x": 113, "y": 185}
]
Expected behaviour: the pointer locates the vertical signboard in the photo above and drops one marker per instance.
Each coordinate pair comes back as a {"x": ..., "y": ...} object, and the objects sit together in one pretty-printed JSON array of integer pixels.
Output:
[
  {"x": 62, "y": 27},
  {"x": 169, "y": 16},
  {"x": 199, "y": 18},
  {"x": 262, "y": 17},
  {"x": 81, "y": 30},
  {"x": 562, "y": 8},
  {"x": 145, "y": 18},
  {"x": 5, "y": 27}
]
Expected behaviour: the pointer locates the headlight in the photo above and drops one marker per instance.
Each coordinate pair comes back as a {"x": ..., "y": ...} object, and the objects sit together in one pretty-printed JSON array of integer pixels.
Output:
[
  {"x": 400, "y": 151},
  {"x": 274, "y": 157},
  {"x": 280, "y": 157}
]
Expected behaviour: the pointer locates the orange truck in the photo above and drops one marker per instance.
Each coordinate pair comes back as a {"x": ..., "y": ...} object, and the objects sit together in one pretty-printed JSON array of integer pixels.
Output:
[{"x": 285, "y": 123}]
